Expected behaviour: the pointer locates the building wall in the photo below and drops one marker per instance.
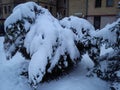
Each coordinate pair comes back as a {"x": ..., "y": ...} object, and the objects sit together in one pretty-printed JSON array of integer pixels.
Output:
[
  {"x": 5, "y": 9},
  {"x": 54, "y": 6},
  {"x": 62, "y": 8},
  {"x": 107, "y": 20},
  {"x": 77, "y": 7},
  {"x": 91, "y": 20},
  {"x": 103, "y": 10},
  {"x": 6, "y": 6},
  {"x": 107, "y": 14},
  {"x": 104, "y": 20},
  {"x": 48, "y": 4}
]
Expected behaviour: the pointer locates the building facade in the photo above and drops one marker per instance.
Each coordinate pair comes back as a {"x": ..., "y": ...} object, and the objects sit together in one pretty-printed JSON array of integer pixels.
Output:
[
  {"x": 102, "y": 12},
  {"x": 5, "y": 10},
  {"x": 62, "y": 8},
  {"x": 97, "y": 12},
  {"x": 6, "y": 6},
  {"x": 77, "y": 8}
]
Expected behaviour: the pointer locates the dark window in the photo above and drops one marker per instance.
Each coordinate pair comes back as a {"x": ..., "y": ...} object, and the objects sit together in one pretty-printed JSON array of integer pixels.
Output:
[
  {"x": 5, "y": 9},
  {"x": 1, "y": 29},
  {"x": 64, "y": 1},
  {"x": 1, "y": 12},
  {"x": 64, "y": 12},
  {"x": 51, "y": 9},
  {"x": 97, "y": 22},
  {"x": 9, "y": 9},
  {"x": 98, "y": 3},
  {"x": 16, "y": 2},
  {"x": 109, "y": 3}
]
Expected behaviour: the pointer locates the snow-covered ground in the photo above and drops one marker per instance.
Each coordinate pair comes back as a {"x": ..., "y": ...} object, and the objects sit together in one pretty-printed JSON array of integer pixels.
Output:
[{"x": 10, "y": 78}]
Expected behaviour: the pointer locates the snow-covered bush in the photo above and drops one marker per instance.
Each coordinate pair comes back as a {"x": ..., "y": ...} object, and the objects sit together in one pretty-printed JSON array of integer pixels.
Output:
[
  {"x": 17, "y": 25},
  {"x": 84, "y": 39},
  {"x": 110, "y": 35},
  {"x": 109, "y": 69},
  {"x": 34, "y": 32},
  {"x": 53, "y": 46},
  {"x": 109, "y": 64}
]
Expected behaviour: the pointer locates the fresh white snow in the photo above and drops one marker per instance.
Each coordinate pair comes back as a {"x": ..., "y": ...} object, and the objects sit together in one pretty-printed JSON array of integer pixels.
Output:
[
  {"x": 47, "y": 39},
  {"x": 10, "y": 78},
  {"x": 79, "y": 24},
  {"x": 48, "y": 42},
  {"x": 107, "y": 33}
]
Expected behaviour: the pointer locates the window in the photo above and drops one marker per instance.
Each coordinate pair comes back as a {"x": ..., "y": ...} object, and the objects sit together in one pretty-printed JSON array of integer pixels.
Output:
[
  {"x": 51, "y": 9},
  {"x": 9, "y": 9},
  {"x": 5, "y": 9},
  {"x": 64, "y": 1},
  {"x": 64, "y": 12},
  {"x": 97, "y": 22},
  {"x": 109, "y": 3},
  {"x": 1, "y": 12},
  {"x": 2, "y": 28},
  {"x": 98, "y": 3}
]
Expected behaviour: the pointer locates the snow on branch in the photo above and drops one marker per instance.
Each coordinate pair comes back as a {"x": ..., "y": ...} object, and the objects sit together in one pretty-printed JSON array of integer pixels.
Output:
[{"x": 110, "y": 35}]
